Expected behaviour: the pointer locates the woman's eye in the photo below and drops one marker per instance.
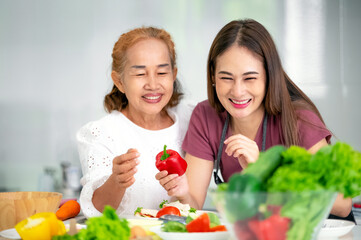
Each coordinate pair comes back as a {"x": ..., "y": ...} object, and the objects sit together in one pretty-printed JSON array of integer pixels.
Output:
[
  {"x": 250, "y": 78},
  {"x": 162, "y": 73},
  {"x": 140, "y": 74},
  {"x": 226, "y": 78}
]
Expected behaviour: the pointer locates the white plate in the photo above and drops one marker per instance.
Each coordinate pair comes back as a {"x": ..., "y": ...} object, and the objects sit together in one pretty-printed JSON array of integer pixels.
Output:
[
  {"x": 335, "y": 228},
  {"x": 10, "y": 234},
  {"x": 189, "y": 236}
]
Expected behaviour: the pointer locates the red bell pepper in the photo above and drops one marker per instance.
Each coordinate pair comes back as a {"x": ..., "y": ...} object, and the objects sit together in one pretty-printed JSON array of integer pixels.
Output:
[
  {"x": 171, "y": 161},
  {"x": 273, "y": 228}
]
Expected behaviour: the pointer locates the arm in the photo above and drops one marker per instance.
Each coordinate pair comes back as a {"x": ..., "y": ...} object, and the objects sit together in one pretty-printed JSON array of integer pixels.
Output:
[
  {"x": 199, "y": 174},
  {"x": 112, "y": 191},
  {"x": 342, "y": 206},
  {"x": 191, "y": 187}
]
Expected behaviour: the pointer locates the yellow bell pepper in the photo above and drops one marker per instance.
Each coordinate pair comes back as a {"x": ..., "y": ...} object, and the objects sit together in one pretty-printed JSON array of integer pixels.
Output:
[{"x": 40, "y": 226}]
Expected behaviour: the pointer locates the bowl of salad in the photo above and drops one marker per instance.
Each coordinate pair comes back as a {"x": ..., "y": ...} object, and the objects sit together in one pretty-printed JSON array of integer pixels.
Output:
[
  {"x": 279, "y": 215},
  {"x": 288, "y": 192}
]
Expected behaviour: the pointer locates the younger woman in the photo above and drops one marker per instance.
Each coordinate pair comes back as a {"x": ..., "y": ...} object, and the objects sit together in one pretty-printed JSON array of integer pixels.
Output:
[{"x": 253, "y": 102}]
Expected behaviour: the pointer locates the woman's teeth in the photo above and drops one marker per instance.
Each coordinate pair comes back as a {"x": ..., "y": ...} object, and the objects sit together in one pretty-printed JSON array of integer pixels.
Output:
[
  {"x": 240, "y": 102},
  {"x": 152, "y": 97}
]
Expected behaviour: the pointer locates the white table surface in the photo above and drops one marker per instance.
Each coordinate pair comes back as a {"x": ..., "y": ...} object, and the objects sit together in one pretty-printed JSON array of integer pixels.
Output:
[{"x": 355, "y": 234}]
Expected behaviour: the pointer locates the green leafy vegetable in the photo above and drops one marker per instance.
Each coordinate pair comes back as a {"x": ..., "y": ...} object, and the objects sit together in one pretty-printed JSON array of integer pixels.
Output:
[
  {"x": 138, "y": 210},
  {"x": 162, "y": 203},
  {"x": 192, "y": 210},
  {"x": 311, "y": 179},
  {"x": 334, "y": 168},
  {"x": 214, "y": 220},
  {"x": 173, "y": 226},
  {"x": 107, "y": 226}
]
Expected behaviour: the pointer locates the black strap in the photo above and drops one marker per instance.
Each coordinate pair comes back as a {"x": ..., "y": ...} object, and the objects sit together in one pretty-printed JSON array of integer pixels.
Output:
[
  {"x": 217, "y": 178},
  {"x": 264, "y": 132}
]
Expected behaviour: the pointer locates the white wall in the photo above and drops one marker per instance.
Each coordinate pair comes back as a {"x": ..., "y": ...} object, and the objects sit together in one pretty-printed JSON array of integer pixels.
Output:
[{"x": 55, "y": 59}]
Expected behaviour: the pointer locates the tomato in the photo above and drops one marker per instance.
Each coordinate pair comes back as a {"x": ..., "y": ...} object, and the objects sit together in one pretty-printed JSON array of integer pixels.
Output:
[
  {"x": 272, "y": 228},
  {"x": 200, "y": 224},
  {"x": 219, "y": 228},
  {"x": 357, "y": 205},
  {"x": 242, "y": 230},
  {"x": 169, "y": 210}
]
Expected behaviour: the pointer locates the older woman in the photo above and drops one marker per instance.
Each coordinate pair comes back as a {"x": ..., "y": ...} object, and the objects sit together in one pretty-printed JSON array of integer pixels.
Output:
[{"x": 117, "y": 152}]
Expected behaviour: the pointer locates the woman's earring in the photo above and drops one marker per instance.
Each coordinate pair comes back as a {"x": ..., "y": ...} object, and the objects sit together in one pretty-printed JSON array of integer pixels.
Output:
[{"x": 213, "y": 85}]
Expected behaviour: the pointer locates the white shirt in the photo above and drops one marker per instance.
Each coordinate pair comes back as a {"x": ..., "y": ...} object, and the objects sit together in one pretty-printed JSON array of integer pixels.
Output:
[{"x": 100, "y": 141}]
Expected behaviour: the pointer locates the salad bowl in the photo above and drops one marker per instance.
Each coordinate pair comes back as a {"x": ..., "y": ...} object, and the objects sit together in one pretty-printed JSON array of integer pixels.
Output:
[{"x": 279, "y": 215}]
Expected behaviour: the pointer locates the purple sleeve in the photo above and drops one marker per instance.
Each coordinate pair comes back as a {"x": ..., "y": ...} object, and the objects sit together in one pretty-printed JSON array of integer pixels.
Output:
[
  {"x": 311, "y": 129},
  {"x": 197, "y": 140}
]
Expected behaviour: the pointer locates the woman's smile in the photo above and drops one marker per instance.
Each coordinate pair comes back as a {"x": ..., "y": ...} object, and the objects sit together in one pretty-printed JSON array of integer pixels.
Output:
[
  {"x": 240, "y": 103},
  {"x": 152, "y": 98}
]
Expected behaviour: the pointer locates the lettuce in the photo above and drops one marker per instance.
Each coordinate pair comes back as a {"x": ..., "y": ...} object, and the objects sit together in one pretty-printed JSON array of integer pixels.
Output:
[
  {"x": 107, "y": 227},
  {"x": 334, "y": 168}
]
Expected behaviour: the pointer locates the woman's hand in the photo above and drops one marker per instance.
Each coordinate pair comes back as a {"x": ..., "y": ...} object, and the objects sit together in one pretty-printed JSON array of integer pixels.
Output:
[
  {"x": 176, "y": 186},
  {"x": 243, "y": 148},
  {"x": 124, "y": 168}
]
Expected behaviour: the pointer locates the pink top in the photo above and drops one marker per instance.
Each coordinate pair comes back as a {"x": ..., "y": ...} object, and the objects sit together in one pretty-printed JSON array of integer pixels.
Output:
[{"x": 205, "y": 128}]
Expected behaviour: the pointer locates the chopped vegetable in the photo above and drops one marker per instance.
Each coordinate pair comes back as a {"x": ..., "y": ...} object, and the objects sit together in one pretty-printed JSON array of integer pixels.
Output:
[
  {"x": 174, "y": 227},
  {"x": 183, "y": 208},
  {"x": 206, "y": 222},
  {"x": 138, "y": 210},
  {"x": 169, "y": 210},
  {"x": 42, "y": 225},
  {"x": 213, "y": 219},
  {"x": 192, "y": 210},
  {"x": 218, "y": 228},
  {"x": 200, "y": 224},
  {"x": 162, "y": 203},
  {"x": 274, "y": 227},
  {"x": 170, "y": 161}
]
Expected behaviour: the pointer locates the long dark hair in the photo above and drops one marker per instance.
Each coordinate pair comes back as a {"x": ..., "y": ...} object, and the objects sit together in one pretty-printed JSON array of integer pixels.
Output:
[
  {"x": 116, "y": 100},
  {"x": 282, "y": 97}
]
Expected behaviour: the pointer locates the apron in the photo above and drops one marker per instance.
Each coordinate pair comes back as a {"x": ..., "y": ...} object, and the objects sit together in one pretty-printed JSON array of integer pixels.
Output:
[{"x": 217, "y": 178}]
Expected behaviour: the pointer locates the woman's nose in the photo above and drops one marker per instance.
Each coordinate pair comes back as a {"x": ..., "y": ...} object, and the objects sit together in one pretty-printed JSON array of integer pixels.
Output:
[
  {"x": 238, "y": 88},
  {"x": 152, "y": 82}
]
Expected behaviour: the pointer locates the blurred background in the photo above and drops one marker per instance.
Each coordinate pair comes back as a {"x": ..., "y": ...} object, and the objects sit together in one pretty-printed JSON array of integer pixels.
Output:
[{"x": 55, "y": 62}]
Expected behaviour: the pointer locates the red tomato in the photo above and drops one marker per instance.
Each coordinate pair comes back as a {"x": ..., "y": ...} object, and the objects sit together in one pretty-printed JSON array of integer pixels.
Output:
[
  {"x": 219, "y": 228},
  {"x": 272, "y": 228},
  {"x": 357, "y": 205},
  {"x": 242, "y": 230},
  {"x": 200, "y": 224},
  {"x": 169, "y": 210}
]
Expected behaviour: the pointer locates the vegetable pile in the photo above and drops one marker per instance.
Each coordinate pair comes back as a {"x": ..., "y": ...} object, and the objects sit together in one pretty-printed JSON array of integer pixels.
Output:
[
  {"x": 166, "y": 208},
  {"x": 286, "y": 193},
  {"x": 206, "y": 222}
]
